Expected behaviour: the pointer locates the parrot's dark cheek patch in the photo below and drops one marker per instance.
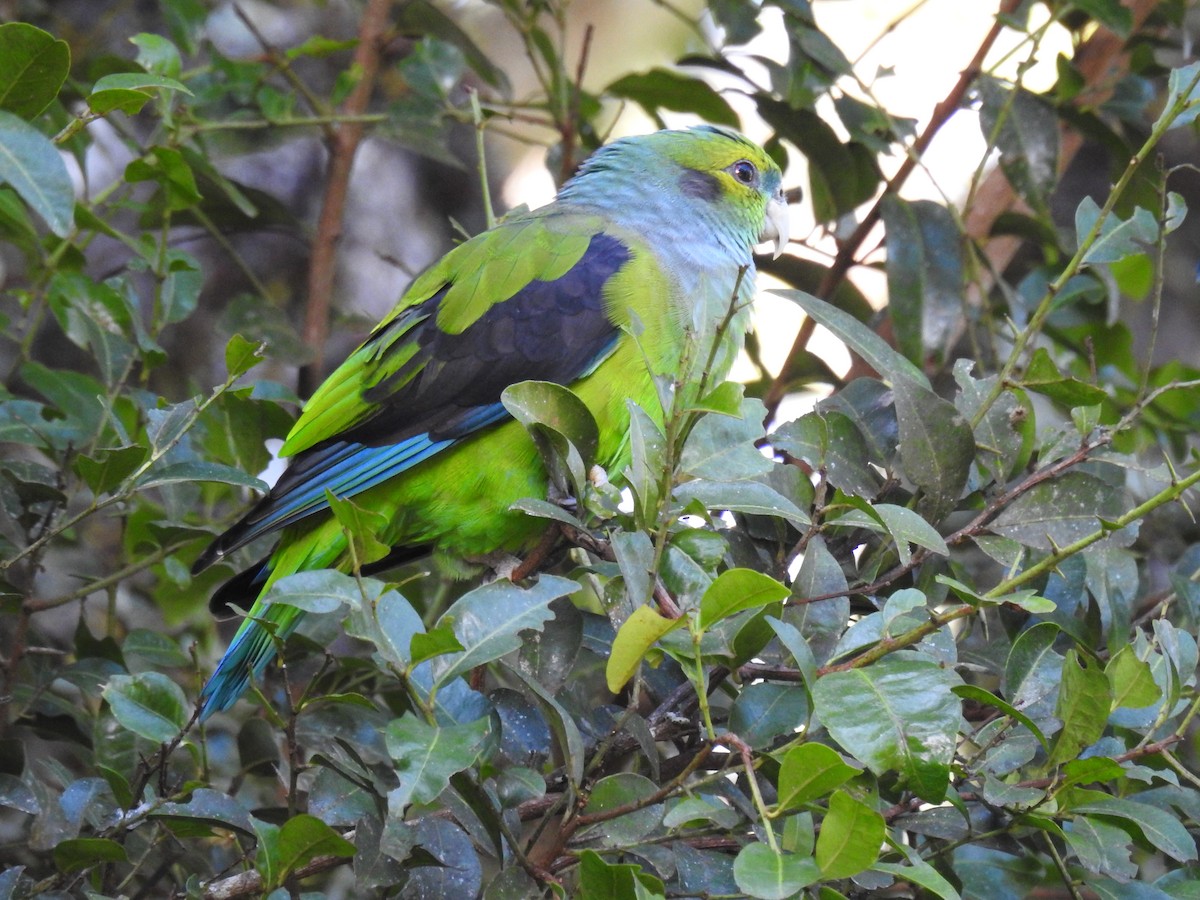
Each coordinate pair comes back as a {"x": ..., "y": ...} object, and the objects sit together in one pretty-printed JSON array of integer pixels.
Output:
[{"x": 700, "y": 185}]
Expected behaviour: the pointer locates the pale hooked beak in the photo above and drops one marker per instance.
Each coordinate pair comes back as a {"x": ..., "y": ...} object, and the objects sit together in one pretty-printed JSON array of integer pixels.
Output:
[{"x": 775, "y": 228}]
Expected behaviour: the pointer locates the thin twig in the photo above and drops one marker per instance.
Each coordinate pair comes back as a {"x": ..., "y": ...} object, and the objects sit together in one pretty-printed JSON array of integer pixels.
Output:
[{"x": 836, "y": 273}]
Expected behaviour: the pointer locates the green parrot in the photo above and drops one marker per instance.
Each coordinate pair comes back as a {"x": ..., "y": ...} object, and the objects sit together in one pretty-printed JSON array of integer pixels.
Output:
[{"x": 642, "y": 251}]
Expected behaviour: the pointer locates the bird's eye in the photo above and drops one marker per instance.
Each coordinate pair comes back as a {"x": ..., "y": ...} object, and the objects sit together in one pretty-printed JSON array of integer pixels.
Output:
[{"x": 744, "y": 171}]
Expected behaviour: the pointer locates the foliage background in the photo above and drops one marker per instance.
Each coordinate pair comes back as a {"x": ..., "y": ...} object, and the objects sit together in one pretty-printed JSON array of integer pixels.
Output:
[{"x": 942, "y": 641}]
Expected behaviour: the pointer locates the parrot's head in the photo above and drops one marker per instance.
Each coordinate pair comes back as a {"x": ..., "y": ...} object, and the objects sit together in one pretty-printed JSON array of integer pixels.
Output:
[{"x": 706, "y": 171}]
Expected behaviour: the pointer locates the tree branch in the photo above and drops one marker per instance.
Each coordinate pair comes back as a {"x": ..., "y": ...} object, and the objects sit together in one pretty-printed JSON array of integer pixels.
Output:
[{"x": 343, "y": 141}]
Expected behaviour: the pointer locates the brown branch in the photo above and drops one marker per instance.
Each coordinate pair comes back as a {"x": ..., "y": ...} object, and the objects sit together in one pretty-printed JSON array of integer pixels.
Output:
[
  {"x": 1100, "y": 60},
  {"x": 342, "y": 143},
  {"x": 846, "y": 252}
]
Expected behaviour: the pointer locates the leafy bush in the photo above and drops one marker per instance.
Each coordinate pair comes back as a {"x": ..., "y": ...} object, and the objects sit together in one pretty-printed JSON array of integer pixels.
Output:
[{"x": 939, "y": 638}]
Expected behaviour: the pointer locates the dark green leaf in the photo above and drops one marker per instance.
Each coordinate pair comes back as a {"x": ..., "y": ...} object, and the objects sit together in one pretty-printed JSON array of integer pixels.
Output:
[
  {"x": 303, "y": 838},
  {"x": 601, "y": 880},
  {"x": 1084, "y": 701},
  {"x": 925, "y": 275},
  {"x": 489, "y": 620},
  {"x": 1059, "y": 512},
  {"x": 427, "y": 755},
  {"x": 859, "y": 338},
  {"x": 742, "y": 496},
  {"x": 661, "y": 89},
  {"x": 1025, "y": 130},
  {"x": 205, "y": 810},
  {"x": 77, "y": 854},
  {"x": 614, "y": 792},
  {"x": 764, "y": 712},
  {"x": 1161, "y": 828},
  {"x": 896, "y": 715},
  {"x": 937, "y": 446},
  {"x": 1042, "y": 376},
  {"x": 831, "y": 443},
  {"x": 33, "y": 67},
  {"x": 105, "y": 468}
]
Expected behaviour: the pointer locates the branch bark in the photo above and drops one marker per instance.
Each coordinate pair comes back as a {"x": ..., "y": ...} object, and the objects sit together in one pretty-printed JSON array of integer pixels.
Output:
[{"x": 344, "y": 139}]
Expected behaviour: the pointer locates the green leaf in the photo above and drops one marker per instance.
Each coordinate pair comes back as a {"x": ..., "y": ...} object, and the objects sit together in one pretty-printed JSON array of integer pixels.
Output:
[
  {"x": 33, "y": 67},
  {"x": 831, "y": 443},
  {"x": 157, "y": 54},
  {"x": 437, "y": 642},
  {"x": 1060, "y": 511},
  {"x": 77, "y": 854},
  {"x": 647, "y": 446},
  {"x": 982, "y": 695},
  {"x": 742, "y": 496},
  {"x": 1042, "y": 376},
  {"x": 937, "y": 446},
  {"x": 561, "y": 425},
  {"x": 1118, "y": 237},
  {"x": 205, "y": 810},
  {"x": 661, "y": 89},
  {"x": 1031, "y": 672},
  {"x": 388, "y": 623},
  {"x": 920, "y": 873},
  {"x": 1026, "y": 131},
  {"x": 924, "y": 274},
  {"x": 721, "y": 447},
  {"x": 1110, "y": 13},
  {"x": 149, "y": 704},
  {"x": 360, "y": 525},
  {"x": 767, "y": 875},
  {"x": 302, "y": 839},
  {"x": 427, "y": 755},
  {"x": 811, "y": 771},
  {"x": 489, "y": 620},
  {"x": 1084, "y": 701},
  {"x": 31, "y": 164},
  {"x": 1182, "y": 104},
  {"x": 602, "y": 880},
  {"x": 614, "y": 792},
  {"x": 1161, "y": 828},
  {"x": 736, "y": 590},
  {"x": 907, "y": 527},
  {"x": 129, "y": 91},
  {"x": 764, "y": 712},
  {"x": 198, "y": 470},
  {"x": 1101, "y": 847},
  {"x": 850, "y": 837},
  {"x": 1131, "y": 680},
  {"x": 171, "y": 171},
  {"x": 566, "y": 732},
  {"x": 106, "y": 467},
  {"x": 859, "y": 339},
  {"x": 242, "y": 355},
  {"x": 842, "y": 175},
  {"x": 634, "y": 638},
  {"x": 318, "y": 591},
  {"x": 896, "y": 715}
]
